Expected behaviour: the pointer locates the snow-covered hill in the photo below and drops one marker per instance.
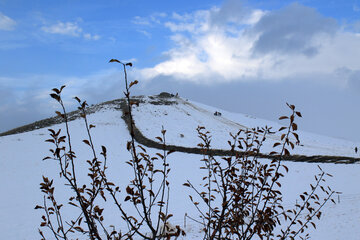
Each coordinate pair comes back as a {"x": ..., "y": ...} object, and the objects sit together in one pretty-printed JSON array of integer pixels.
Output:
[
  {"x": 21, "y": 165},
  {"x": 181, "y": 118}
]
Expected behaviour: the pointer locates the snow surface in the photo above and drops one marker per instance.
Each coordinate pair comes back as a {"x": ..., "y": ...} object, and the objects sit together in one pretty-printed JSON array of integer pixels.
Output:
[
  {"x": 181, "y": 120},
  {"x": 21, "y": 168}
]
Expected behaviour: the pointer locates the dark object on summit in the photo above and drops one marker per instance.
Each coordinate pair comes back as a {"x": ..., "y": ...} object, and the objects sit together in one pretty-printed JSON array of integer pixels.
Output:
[
  {"x": 217, "y": 113},
  {"x": 166, "y": 95},
  {"x": 356, "y": 149}
]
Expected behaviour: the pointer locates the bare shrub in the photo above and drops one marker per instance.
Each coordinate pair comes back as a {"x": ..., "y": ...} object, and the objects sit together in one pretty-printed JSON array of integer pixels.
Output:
[
  {"x": 148, "y": 191},
  {"x": 240, "y": 197}
]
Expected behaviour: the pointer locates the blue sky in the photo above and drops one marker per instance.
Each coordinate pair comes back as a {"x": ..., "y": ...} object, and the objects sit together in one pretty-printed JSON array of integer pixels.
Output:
[{"x": 244, "y": 56}]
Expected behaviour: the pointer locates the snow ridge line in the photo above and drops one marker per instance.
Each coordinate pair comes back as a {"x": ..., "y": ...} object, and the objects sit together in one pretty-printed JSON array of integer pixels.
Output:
[
  {"x": 73, "y": 115},
  {"x": 121, "y": 105}
]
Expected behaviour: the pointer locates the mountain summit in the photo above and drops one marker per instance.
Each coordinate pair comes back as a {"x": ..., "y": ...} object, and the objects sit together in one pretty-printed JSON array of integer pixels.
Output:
[{"x": 180, "y": 117}]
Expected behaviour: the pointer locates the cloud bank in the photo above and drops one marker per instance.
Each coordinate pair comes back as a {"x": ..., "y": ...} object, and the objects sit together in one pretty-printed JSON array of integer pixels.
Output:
[{"x": 236, "y": 43}]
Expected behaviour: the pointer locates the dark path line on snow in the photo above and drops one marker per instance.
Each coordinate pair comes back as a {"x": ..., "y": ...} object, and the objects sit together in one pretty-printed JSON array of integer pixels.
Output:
[
  {"x": 140, "y": 138},
  {"x": 121, "y": 105}
]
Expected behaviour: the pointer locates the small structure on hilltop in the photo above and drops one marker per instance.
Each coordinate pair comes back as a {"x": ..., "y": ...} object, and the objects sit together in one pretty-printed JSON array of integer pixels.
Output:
[
  {"x": 166, "y": 95},
  {"x": 217, "y": 113}
]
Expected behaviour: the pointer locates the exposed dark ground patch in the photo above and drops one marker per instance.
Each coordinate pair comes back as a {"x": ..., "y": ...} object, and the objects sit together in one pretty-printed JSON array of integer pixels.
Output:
[
  {"x": 169, "y": 99},
  {"x": 56, "y": 120}
]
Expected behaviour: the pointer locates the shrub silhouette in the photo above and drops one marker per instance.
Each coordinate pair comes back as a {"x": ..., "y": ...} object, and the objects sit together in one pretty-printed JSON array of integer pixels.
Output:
[{"x": 240, "y": 197}]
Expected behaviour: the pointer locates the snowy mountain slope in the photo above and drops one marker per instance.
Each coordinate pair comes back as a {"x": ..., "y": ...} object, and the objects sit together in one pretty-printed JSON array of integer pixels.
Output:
[
  {"x": 181, "y": 118},
  {"x": 21, "y": 170}
]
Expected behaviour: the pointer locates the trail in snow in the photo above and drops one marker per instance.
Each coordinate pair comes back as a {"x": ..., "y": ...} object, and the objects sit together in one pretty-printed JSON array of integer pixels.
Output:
[{"x": 21, "y": 170}]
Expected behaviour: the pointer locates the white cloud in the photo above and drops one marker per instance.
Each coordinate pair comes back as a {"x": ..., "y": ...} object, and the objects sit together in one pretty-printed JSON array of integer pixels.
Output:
[
  {"x": 88, "y": 36},
  {"x": 146, "y": 33},
  {"x": 214, "y": 45},
  {"x": 140, "y": 21},
  {"x": 204, "y": 51},
  {"x": 69, "y": 29},
  {"x": 154, "y": 18},
  {"x": 197, "y": 22},
  {"x": 6, "y": 23}
]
